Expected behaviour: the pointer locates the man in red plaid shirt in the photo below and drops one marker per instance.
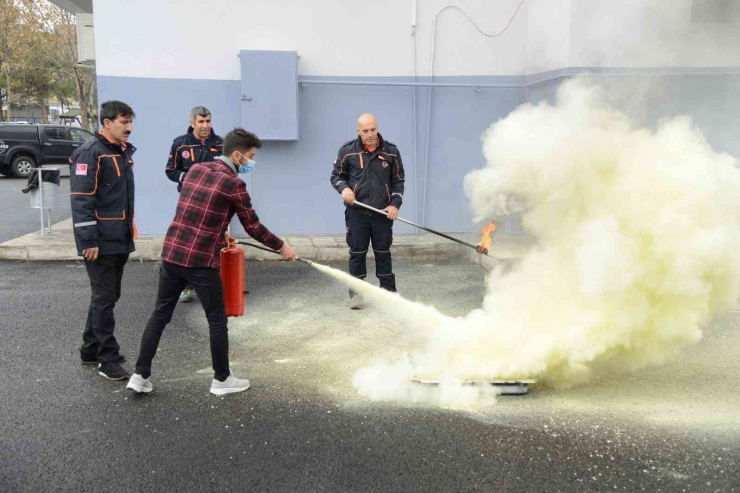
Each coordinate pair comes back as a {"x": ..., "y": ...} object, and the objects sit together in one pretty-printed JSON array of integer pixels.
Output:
[{"x": 211, "y": 194}]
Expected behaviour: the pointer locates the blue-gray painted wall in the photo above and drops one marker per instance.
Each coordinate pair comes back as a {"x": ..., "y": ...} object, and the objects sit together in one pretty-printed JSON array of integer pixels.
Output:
[{"x": 290, "y": 185}]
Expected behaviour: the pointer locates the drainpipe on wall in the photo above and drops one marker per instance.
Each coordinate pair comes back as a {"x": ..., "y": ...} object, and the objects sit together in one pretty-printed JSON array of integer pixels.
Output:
[
  {"x": 413, "y": 111},
  {"x": 429, "y": 118}
]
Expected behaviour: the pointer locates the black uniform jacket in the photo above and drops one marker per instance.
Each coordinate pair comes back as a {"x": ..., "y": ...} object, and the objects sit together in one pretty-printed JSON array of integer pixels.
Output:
[
  {"x": 187, "y": 150},
  {"x": 101, "y": 186},
  {"x": 377, "y": 177}
]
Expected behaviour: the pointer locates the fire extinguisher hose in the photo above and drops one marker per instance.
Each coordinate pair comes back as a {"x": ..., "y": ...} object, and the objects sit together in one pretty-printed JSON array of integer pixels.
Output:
[{"x": 260, "y": 247}]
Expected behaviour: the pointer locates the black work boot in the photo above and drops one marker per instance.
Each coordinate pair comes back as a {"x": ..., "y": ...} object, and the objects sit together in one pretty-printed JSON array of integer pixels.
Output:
[
  {"x": 88, "y": 359},
  {"x": 112, "y": 371},
  {"x": 388, "y": 282}
]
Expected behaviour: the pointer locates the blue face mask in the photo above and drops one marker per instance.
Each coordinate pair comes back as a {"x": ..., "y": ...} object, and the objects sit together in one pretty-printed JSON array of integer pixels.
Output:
[{"x": 246, "y": 168}]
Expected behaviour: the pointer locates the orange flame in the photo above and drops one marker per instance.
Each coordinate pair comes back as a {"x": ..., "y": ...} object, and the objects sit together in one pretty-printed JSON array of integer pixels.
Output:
[{"x": 485, "y": 239}]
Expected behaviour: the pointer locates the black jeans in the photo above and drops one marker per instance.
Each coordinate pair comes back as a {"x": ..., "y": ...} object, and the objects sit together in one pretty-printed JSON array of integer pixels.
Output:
[
  {"x": 207, "y": 284},
  {"x": 105, "y": 275},
  {"x": 362, "y": 227}
]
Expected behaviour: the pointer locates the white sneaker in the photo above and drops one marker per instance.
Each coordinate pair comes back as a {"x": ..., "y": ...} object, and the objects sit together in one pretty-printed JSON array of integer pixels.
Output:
[
  {"x": 230, "y": 385},
  {"x": 139, "y": 384}
]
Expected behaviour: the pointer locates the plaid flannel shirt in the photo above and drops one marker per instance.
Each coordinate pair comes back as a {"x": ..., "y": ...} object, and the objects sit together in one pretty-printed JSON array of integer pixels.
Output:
[{"x": 211, "y": 194}]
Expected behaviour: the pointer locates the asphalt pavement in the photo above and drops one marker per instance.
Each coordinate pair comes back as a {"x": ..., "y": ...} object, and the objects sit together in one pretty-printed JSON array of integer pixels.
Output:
[
  {"x": 18, "y": 218},
  {"x": 302, "y": 426}
]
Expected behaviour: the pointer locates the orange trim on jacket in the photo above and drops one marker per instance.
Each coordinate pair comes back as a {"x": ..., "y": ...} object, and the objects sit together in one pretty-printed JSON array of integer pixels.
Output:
[
  {"x": 111, "y": 218},
  {"x": 97, "y": 172},
  {"x": 174, "y": 156}
]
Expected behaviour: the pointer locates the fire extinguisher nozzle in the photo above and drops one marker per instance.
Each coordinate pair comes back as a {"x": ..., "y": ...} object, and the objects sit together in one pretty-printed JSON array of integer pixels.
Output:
[{"x": 305, "y": 261}]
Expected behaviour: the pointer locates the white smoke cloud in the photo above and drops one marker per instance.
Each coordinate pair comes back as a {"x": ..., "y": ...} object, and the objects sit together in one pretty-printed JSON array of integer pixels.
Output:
[{"x": 639, "y": 247}]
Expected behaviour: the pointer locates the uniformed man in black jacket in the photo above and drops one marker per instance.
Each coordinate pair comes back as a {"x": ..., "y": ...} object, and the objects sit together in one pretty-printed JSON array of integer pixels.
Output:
[
  {"x": 102, "y": 196},
  {"x": 370, "y": 170},
  {"x": 199, "y": 144}
]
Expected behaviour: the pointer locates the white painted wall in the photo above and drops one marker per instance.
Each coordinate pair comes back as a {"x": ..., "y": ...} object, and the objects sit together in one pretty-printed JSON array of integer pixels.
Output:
[
  {"x": 654, "y": 33},
  {"x": 460, "y": 49},
  {"x": 196, "y": 40},
  {"x": 200, "y": 40},
  {"x": 548, "y": 35}
]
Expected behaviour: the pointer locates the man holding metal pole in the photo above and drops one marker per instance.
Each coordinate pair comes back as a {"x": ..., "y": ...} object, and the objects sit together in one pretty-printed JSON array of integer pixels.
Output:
[
  {"x": 370, "y": 170},
  {"x": 199, "y": 144}
]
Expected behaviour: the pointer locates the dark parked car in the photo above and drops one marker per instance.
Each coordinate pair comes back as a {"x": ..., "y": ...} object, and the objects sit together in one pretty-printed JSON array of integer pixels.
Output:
[{"x": 23, "y": 147}]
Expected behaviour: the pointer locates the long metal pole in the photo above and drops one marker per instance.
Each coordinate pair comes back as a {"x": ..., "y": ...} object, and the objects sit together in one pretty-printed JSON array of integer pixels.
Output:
[{"x": 370, "y": 208}]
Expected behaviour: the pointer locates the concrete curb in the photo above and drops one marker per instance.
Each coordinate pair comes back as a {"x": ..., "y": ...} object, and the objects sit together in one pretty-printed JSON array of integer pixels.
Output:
[{"x": 61, "y": 246}]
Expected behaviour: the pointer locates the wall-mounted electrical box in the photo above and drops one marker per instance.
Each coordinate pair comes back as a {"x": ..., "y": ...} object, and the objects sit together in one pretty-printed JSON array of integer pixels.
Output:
[{"x": 269, "y": 95}]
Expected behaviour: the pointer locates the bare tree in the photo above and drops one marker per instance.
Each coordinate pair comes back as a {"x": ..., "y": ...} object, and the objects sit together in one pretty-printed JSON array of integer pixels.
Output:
[
  {"x": 60, "y": 29},
  {"x": 10, "y": 46}
]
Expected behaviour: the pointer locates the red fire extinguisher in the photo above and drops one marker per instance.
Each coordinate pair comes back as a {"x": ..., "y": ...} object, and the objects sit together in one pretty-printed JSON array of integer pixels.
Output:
[{"x": 233, "y": 277}]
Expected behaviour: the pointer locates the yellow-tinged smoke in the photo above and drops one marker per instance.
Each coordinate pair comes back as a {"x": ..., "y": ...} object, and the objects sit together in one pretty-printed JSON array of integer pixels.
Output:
[{"x": 639, "y": 247}]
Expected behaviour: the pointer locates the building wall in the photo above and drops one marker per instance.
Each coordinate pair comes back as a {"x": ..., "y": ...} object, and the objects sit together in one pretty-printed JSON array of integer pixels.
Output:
[
  {"x": 191, "y": 40},
  {"x": 178, "y": 54},
  {"x": 548, "y": 35},
  {"x": 649, "y": 34}
]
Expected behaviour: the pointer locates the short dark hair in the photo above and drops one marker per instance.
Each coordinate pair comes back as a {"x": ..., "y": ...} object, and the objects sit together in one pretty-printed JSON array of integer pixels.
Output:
[
  {"x": 110, "y": 110},
  {"x": 199, "y": 111},
  {"x": 240, "y": 140}
]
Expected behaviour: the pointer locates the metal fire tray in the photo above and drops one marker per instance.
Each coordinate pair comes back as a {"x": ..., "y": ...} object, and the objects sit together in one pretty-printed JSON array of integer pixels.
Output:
[{"x": 505, "y": 387}]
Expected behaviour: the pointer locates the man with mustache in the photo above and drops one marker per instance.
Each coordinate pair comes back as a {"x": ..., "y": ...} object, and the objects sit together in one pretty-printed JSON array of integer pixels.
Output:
[
  {"x": 102, "y": 197},
  {"x": 369, "y": 169},
  {"x": 199, "y": 144}
]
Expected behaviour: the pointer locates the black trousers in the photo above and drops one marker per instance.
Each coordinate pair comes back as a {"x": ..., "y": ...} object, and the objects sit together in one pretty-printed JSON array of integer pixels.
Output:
[
  {"x": 362, "y": 228},
  {"x": 105, "y": 275},
  {"x": 207, "y": 284}
]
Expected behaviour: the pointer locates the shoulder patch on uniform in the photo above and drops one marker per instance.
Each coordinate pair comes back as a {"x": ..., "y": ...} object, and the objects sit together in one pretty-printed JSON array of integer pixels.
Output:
[{"x": 81, "y": 169}]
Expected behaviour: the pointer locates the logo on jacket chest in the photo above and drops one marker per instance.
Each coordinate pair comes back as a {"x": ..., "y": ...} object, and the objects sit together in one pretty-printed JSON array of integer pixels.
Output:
[{"x": 186, "y": 154}]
